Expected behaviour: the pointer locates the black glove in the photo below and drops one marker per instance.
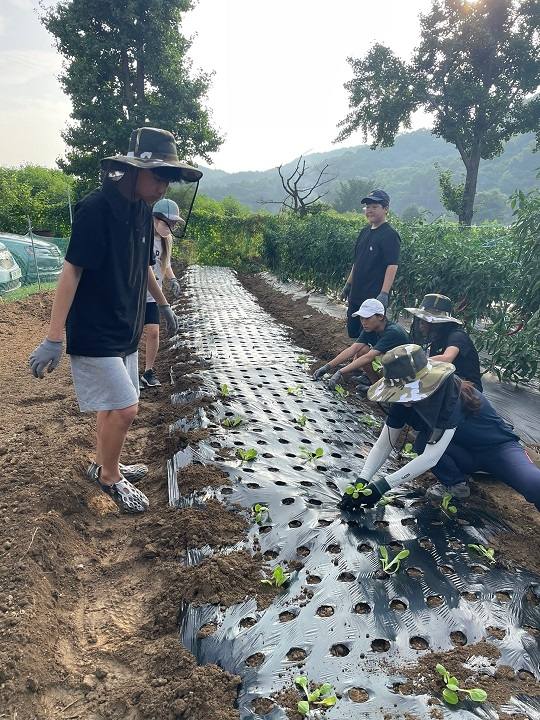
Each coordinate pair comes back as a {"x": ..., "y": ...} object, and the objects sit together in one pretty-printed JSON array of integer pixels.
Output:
[
  {"x": 378, "y": 489},
  {"x": 318, "y": 374},
  {"x": 346, "y": 291},
  {"x": 336, "y": 379},
  {"x": 383, "y": 298}
]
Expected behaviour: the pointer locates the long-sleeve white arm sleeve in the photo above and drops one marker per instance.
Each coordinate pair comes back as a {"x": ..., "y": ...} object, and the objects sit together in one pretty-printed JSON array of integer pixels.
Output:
[
  {"x": 430, "y": 457},
  {"x": 380, "y": 452}
]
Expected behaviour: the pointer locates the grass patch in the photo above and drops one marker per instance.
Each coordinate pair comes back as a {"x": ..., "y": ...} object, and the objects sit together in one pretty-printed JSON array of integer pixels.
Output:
[{"x": 25, "y": 291}]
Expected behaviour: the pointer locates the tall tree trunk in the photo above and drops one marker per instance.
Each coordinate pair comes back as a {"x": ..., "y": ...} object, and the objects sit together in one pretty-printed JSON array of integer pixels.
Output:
[{"x": 469, "y": 191}]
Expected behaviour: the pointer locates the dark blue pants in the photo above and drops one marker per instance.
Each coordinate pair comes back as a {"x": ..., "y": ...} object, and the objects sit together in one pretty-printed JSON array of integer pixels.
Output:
[{"x": 507, "y": 462}]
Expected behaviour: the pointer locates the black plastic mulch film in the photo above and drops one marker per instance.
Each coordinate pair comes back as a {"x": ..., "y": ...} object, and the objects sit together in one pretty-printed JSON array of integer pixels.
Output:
[{"x": 338, "y": 621}]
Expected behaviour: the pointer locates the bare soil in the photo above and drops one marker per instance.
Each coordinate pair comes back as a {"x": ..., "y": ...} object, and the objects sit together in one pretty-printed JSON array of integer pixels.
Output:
[{"x": 89, "y": 597}]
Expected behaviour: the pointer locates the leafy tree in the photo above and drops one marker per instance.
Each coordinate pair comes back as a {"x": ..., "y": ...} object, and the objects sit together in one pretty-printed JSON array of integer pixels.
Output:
[
  {"x": 350, "y": 193},
  {"x": 126, "y": 66},
  {"x": 413, "y": 214},
  {"x": 475, "y": 71}
]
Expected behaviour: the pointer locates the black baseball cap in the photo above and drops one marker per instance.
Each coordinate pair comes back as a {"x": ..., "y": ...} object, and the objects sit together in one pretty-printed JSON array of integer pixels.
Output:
[{"x": 377, "y": 196}]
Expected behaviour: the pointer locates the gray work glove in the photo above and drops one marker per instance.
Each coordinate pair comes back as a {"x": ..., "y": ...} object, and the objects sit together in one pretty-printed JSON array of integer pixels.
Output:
[
  {"x": 346, "y": 291},
  {"x": 175, "y": 288},
  {"x": 46, "y": 357},
  {"x": 171, "y": 320},
  {"x": 336, "y": 379},
  {"x": 383, "y": 297},
  {"x": 318, "y": 374}
]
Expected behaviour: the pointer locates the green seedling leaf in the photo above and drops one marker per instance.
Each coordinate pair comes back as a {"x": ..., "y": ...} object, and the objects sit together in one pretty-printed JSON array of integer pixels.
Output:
[
  {"x": 385, "y": 500},
  {"x": 441, "y": 669},
  {"x": 301, "y": 681},
  {"x": 450, "y": 696},
  {"x": 246, "y": 455},
  {"x": 308, "y": 455},
  {"x": 279, "y": 576},
  {"x": 370, "y": 421},
  {"x": 224, "y": 390},
  {"x": 303, "y": 707},
  {"x": 315, "y": 695},
  {"x": 301, "y": 420},
  {"x": 259, "y": 512},
  {"x": 402, "y": 554},
  {"x": 445, "y": 504},
  {"x": 383, "y": 552},
  {"x": 302, "y": 360},
  {"x": 232, "y": 422},
  {"x": 295, "y": 390},
  {"x": 340, "y": 390},
  {"x": 327, "y": 702},
  {"x": 392, "y": 566},
  {"x": 357, "y": 489},
  {"x": 326, "y": 689},
  {"x": 408, "y": 452},
  {"x": 319, "y": 452},
  {"x": 376, "y": 365},
  {"x": 477, "y": 695},
  {"x": 488, "y": 553},
  {"x": 452, "y": 685}
]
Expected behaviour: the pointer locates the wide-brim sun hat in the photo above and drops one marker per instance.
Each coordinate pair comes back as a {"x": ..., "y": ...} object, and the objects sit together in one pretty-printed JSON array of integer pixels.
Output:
[
  {"x": 408, "y": 376},
  {"x": 154, "y": 149},
  {"x": 435, "y": 308}
]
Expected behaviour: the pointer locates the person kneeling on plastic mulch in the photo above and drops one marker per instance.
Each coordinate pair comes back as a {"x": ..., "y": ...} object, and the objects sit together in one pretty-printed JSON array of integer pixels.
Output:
[{"x": 459, "y": 432}]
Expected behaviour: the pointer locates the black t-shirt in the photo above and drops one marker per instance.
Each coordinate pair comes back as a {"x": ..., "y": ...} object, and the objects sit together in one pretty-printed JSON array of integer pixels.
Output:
[
  {"x": 392, "y": 336},
  {"x": 467, "y": 362},
  {"x": 374, "y": 251},
  {"x": 444, "y": 410},
  {"x": 112, "y": 240}
]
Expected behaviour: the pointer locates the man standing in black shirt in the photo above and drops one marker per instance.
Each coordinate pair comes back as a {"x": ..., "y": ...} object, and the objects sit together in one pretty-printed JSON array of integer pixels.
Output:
[
  {"x": 101, "y": 298},
  {"x": 376, "y": 257}
]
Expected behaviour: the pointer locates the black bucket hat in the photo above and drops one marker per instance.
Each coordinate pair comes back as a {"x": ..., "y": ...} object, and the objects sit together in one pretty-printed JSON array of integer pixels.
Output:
[
  {"x": 435, "y": 308},
  {"x": 153, "y": 149}
]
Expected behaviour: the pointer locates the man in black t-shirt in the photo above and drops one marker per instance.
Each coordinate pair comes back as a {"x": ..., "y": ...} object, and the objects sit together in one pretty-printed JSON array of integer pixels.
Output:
[
  {"x": 101, "y": 298},
  {"x": 444, "y": 337},
  {"x": 376, "y": 257},
  {"x": 377, "y": 337}
]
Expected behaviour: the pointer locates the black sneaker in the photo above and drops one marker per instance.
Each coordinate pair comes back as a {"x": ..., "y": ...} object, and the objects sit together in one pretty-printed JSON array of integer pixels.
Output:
[{"x": 149, "y": 379}]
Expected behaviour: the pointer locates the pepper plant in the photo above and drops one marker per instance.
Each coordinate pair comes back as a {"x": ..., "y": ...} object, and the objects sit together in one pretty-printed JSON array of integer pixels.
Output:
[
  {"x": 392, "y": 566},
  {"x": 323, "y": 696},
  {"x": 488, "y": 553},
  {"x": 246, "y": 455},
  {"x": 278, "y": 578},
  {"x": 451, "y": 688}
]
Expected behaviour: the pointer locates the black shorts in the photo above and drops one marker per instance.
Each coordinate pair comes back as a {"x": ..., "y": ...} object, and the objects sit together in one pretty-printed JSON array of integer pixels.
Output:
[{"x": 151, "y": 314}]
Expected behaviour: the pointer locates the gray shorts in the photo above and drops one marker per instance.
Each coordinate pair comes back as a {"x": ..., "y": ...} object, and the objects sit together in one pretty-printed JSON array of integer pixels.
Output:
[{"x": 105, "y": 383}]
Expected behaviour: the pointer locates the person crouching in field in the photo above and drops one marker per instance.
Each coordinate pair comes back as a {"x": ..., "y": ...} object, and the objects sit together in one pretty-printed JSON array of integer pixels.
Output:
[
  {"x": 459, "y": 433},
  {"x": 377, "y": 337},
  {"x": 166, "y": 216},
  {"x": 101, "y": 298},
  {"x": 444, "y": 337}
]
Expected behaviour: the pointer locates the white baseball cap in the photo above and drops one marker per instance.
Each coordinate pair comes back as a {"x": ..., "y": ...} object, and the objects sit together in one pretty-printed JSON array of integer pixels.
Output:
[{"x": 369, "y": 307}]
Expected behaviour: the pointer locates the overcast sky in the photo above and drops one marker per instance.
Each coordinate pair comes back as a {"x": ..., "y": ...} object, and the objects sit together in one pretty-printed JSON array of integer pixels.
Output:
[{"x": 278, "y": 84}]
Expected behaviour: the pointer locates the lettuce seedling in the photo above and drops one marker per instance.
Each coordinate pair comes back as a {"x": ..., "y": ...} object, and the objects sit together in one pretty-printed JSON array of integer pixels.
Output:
[
  {"x": 340, "y": 390},
  {"x": 246, "y": 455},
  {"x": 451, "y": 689},
  {"x": 302, "y": 360},
  {"x": 408, "y": 452},
  {"x": 488, "y": 553},
  {"x": 376, "y": 364},
  {"x": 232, "y": 422},
  {"x": 259, "y": 513},
  {"x": 310, "y": 456},
  {"x": 294, "y": 390},
  {"x": 301, "y": 420},
  {"x": 392, "y": 566},
  {"x": 322, "y": 696},
  {"x": 224, "y": 390},
  {"x": 385, "y": 500},
  {"x": 278, "y": 578},
  {"x": 357, "y": 489},
  {"x": 446, "y": 507},
  {"x": 371, "y": 421}
]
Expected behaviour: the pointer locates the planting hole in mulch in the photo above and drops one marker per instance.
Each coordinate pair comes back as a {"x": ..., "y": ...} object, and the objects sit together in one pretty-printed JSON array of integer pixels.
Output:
[
  {"x": 287, "y": 501},
  {"x": 296, "y": 654},
  {"x": 295, "y": 524},
  {"x": 470, "y": 596},
  {"x": 503, "y": 596},
  {"x": 414, "y": 572},
  {"x": 398, "y": 605},
  {"x": 381, "y": 524},
  {"x": 262, "y": 706},
  {"x": 496, "y": 632},
  {"x": 339, "y": 650},
  {"x": 358, "y": 695},
  {"x": 255, "y": 660},
  {"x": 206, "y": 630},
  {"x": 265, "y": 529},
  {"x": 248, "y": 622},
  {"x": 434, "y": 601},
  {"x": 418, "y": 643},
  {"x": 325, "y": 611},
  {"x": 362, "y": 608},
  {"x": 270, "y": 555},
  {"x": 446, "y": 569},
  {"x": 334, "y": 549},
  {"x": 286, "y": 616},
  {"x": 346, "y": 577},
  {"x": 458, "y": 638},
  {"x": 313, "y": 579},
  {"x": 303, "y": 551},
  {"x": 380, "y": 645},
  {"x": 364, "y": 547}
]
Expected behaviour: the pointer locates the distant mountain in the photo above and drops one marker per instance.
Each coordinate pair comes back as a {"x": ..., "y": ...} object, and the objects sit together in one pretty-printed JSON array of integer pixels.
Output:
[{"x": 407, "y": 171}]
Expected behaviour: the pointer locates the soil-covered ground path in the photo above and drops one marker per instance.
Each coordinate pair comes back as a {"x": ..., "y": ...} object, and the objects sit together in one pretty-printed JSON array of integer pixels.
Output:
[{"x": 88, "y": 596}]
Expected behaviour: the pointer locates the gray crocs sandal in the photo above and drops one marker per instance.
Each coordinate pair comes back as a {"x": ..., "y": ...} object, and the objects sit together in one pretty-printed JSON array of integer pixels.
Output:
[
  {"x": 130, "y": 472},
  {"x": 127, "y": 496}
]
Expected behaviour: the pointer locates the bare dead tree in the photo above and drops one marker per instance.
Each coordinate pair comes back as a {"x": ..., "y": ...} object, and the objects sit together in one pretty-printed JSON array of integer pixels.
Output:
[{"x": 298, "y": 199}]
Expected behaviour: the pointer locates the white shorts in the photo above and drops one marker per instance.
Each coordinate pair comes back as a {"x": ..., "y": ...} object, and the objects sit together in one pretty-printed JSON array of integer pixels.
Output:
[{"x": 105, "y": 383}]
